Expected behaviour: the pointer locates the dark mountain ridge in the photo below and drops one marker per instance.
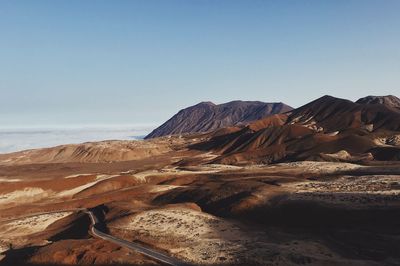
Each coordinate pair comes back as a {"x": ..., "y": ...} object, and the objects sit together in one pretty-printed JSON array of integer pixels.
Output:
[
  {"x": 332, "y": 114},
  {"x": 207, "y": 116},
  {"x": 390, "y": 101}
]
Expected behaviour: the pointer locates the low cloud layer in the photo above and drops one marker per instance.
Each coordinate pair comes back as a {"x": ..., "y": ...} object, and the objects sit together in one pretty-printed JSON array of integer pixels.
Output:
[{"x": 17, "y": 139}]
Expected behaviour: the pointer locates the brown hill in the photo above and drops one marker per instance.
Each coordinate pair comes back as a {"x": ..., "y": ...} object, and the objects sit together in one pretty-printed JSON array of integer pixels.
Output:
[
  {"x": 331, "y": 114},
  {"x": 89, "y": 152},
  {"x": 207, "y": 116},
  {"x": 328, "y": 128}
]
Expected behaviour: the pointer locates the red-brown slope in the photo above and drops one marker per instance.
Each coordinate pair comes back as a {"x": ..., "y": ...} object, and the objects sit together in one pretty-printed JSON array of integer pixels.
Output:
[
  {"x": 327, "y": 125},
  {"x": 332, "y": 114}
]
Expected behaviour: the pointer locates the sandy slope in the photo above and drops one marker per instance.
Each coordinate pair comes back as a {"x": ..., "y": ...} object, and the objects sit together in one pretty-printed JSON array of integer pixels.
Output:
[
  {"x": 205, "y": 239},
  {"x": 104, "y": 151},
  {"x": 30, "y": 225}
]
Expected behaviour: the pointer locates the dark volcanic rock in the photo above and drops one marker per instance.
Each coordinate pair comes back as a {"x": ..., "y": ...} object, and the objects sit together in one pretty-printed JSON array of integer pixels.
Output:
[
  {"x": 390, "y": 101},
  {"x": 207, "y": 116}
]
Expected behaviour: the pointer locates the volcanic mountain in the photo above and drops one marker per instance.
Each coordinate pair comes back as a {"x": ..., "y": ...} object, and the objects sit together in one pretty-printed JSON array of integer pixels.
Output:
[
  {"x": 328, "y": 128},
  {"x": 207, "y": 116},
  {"x": 332, "y": 114},
  {"x": 389, "y": 101}
]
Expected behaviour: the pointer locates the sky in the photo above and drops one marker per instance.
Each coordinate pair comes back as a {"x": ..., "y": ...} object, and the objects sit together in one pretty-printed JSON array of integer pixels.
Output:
[{"x": 72, "y": 62}]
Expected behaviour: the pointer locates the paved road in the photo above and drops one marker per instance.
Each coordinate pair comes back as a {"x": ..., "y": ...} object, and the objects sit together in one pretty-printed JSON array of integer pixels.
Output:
[{"x": 157, "y": 255}]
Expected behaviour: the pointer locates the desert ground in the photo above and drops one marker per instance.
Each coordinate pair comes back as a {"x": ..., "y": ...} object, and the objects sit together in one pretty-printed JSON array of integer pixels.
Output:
[{"x": 177, "y": 200}]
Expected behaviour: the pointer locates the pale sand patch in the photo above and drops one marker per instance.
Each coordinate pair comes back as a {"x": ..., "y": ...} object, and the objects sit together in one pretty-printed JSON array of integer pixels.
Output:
[
  {"x": 207, "y": 155},
  {"x": 316, "y": 167},
  {"x": 375, "y": 184},
  {"x": 17, "y": 158},
  {"x": 161, "y": 188},
  {"x": 332, "y": 133},
  {"x": 201, "y": 169},
  {"x": 204, "y": 239},
  {"x": 72, "y": 176},
  {"x": 103, "y": 177},
  {"x": 30, "y": 225},
  {"x": 73, "y": 191},
  {"x": 211, "y": 168},
  {"x": 342, "y": 154},
  {"x": 352, "y": 191},
  {"x": 5, "y": 179},
  {"x": 202, "y": 223},
  {"x": 30, "y": 194},
  {"x": 198, "y": 232},
  {"x": 222, "y": 166},
  {"x": 141, "y": 176}
]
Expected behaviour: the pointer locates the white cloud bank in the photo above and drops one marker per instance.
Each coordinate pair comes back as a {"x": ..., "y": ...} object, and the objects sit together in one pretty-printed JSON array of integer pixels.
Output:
[{"x": 17, "y": 139}]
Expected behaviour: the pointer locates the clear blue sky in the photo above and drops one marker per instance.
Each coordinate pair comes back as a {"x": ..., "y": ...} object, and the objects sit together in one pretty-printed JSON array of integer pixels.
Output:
[{"x": 71, "y": 62}]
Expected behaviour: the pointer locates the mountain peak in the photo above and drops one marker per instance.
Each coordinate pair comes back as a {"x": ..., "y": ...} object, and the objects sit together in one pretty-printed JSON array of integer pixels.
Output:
[
  {"x": 207, "y": 116},
  {"x": 390, "y": 101},
  {"x": 205, "y": 103}
]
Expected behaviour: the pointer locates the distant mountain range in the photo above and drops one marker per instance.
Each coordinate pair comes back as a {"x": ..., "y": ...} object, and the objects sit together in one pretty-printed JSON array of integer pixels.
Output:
[
  {"x": 327, "y": 129},
  {"x": 207, "y": 116}
]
